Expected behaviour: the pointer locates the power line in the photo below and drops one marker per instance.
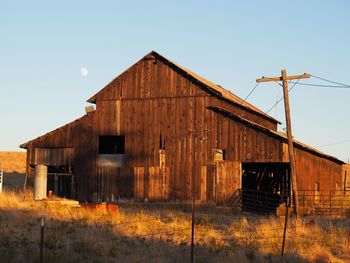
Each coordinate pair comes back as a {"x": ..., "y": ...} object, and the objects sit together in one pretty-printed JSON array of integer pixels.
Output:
[
  {"x": 330, "y": 81},
  {"x": 323, "y": 86},
  {"x": 278, "y": 101},
  {"x": 338, "y": 85},
  {"x": 334, "y": 143},
  {"x": 250, "y": 93}
]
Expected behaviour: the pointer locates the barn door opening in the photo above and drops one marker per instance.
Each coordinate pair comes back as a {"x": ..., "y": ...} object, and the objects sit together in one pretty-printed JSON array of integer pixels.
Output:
[
  {"x": 60, "y": 169},
  {"x": 113, "y": 184},
  {"x": 60, "y": 180},
  {"x": 264, "y": 186}
]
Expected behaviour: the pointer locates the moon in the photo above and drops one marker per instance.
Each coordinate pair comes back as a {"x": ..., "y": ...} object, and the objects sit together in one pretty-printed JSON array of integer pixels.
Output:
[{"x": 84, "y": 72}]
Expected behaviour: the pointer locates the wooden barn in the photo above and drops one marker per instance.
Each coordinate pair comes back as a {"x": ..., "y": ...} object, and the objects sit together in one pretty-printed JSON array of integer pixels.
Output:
[{"x": 161, "y": 132}]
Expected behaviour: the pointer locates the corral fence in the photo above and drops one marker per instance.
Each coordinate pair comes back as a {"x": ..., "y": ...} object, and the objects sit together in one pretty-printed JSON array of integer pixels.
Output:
[
  {"x": 311, "y": 202},
  {"x": 324, "y": 202}
]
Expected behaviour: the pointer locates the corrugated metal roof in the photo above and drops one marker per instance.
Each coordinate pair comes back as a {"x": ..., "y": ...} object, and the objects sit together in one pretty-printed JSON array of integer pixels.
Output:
[{"x": 216, "y": 89}]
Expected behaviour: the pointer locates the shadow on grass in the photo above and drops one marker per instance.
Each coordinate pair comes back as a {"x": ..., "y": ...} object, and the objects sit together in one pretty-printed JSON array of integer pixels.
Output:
[
  {"x": 13, "y": 181},
  {"x": 79, "y": 241}
]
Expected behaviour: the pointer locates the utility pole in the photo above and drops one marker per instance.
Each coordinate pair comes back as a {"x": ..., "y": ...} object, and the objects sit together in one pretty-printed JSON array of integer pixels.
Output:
[{"x": 284, "y": 78}]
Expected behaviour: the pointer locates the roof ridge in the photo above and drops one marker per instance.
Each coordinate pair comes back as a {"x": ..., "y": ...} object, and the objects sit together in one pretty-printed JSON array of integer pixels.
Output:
[
  {"x": 225, "y": 93},
  {"x": 220, "y": 91}
]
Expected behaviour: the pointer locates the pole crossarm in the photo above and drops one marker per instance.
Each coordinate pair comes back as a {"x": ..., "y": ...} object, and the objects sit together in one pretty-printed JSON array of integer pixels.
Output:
[{"x": 267, "y": 79}]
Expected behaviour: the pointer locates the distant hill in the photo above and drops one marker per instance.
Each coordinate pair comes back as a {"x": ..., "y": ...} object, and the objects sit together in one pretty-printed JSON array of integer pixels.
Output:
[{"x": 13, "y": 162}]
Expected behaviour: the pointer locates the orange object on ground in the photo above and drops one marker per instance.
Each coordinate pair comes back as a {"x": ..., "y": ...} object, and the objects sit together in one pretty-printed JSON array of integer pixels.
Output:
[{"x": 102, "y": 207}]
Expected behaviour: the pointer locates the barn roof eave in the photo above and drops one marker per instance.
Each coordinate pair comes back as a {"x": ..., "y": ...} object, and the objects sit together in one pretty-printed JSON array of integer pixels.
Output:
[
  {"x": 278, "y": 135},
  {"x": 26, "y": 144},
  {"x": 219, "y": 91}
]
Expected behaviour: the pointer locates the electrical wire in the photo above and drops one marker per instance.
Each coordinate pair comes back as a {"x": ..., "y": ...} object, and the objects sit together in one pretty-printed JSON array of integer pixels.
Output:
[
  {"x": 334, "y": 143},
  {"x": 250, "y": 93},
  {"x": 322, "y": 86},
  {"x": 278, "y": 101},
  {"x": 338, "y": 85},
  {"x": 330, "y": 81},
  {"x": 278, "y": 83}
]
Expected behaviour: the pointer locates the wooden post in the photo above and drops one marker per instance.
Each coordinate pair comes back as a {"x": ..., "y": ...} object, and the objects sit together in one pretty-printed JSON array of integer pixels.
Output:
[
  {"x": 193, "y": 186},
  {"x": 192, "y": 231},
  {"x": 41, "y": 239},
  {"x": 1, "y": 177},
  {"x": 285, "y": 226},
  {"x": 284, "y": 78},
  {"x": 290, "y": 142}
]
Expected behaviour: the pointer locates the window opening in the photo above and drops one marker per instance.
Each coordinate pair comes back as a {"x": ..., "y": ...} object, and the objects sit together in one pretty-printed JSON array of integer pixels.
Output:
[{"x": 111, "y": 144}]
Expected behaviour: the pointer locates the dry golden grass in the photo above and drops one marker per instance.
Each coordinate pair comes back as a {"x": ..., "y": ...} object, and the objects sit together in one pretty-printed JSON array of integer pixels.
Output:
[
  {"x": 160, "y": 233},
  {"x": 13, "y": 162}
]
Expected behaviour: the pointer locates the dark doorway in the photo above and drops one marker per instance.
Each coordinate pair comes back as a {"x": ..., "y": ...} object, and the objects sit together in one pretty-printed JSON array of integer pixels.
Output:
[
  {"x": 60, "y": 180},
  {"x": 264, "y": 186}
]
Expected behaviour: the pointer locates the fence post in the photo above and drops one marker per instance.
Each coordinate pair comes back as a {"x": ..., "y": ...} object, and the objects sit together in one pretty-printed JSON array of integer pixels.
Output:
[
  {"x": 285, "y": 226},
  {"x": 42, "y": 223},
  {"x": 192, "y": 231},
  {"x": 1, "y": 176}
]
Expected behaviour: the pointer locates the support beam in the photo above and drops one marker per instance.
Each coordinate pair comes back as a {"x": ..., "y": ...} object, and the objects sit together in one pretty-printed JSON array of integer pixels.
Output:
[{"x": 266, "y": 79}]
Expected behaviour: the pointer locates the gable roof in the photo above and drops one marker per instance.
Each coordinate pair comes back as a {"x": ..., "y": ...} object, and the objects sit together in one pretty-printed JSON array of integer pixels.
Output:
[{"x": 209, "y": 86}]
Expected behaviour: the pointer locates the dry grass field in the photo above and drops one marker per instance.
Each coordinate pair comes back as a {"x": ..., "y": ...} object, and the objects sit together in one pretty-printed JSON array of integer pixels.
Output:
[
  {"x": 13, "y": 162},
  {"x": 14, "y": 167},
  {"x": 161, "y": 233}
]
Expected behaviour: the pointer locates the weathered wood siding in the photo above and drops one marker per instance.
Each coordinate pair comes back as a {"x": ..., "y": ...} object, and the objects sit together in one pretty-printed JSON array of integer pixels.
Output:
[
  {"x": 227, "y": 180},
  {"x": 52, "y": 156},
  {"x": 78, "y": 135},
  {"x": 153, "y": 102},
  {"x": 312, "y": 169}
]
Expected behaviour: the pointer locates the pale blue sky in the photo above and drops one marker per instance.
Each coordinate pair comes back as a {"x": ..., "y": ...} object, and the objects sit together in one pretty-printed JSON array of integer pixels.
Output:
[{"x": 43, "y": 46}]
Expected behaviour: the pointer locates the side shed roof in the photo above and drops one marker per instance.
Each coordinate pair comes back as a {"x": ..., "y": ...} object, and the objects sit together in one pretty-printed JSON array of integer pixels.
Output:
[
  {"x": 25, "y": 145},
  {"x": 278, "y": 135}
]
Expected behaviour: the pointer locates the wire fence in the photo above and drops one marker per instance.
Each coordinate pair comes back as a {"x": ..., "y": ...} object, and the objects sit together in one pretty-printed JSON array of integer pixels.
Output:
[
  {"x": 160, "y": 240},
  {"x": 311, "y": 202},
  {"x": 325, "y": 202}
]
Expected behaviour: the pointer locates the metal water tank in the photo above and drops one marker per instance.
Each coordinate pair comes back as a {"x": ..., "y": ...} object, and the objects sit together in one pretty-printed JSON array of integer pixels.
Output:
[{"x": 40, "y": 182}]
